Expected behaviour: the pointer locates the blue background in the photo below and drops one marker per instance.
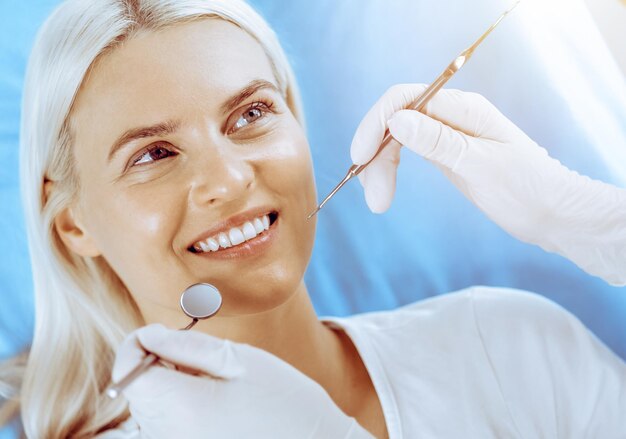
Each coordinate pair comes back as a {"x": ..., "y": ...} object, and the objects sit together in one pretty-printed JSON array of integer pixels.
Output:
[{"x": 432, "y": 241}]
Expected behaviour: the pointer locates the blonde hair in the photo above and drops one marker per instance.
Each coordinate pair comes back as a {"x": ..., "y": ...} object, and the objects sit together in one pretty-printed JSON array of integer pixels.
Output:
[{"x": 82, "y": 309}]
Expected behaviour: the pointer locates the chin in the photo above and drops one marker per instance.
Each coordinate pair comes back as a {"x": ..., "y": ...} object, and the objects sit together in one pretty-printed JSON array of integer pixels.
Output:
[{"x": 257, "y": 296}]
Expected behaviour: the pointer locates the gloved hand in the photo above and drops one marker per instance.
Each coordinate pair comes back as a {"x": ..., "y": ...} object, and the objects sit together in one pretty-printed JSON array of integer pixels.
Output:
[
  {"x": 502, "y": 171},
  {"x": 224, "y": 390}
]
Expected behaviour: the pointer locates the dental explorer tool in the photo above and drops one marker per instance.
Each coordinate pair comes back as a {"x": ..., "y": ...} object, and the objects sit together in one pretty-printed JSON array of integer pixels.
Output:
[
  {"x": 418, "y": 104},
  {"x": 199, "y": 301}
]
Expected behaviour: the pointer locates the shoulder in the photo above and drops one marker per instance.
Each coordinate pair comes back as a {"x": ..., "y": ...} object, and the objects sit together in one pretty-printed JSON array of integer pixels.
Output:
[
  {"x": 514, "y": 303},
  {"x": 548, "y": 368},
  {"x": 526, "y": 328},
  {"x": 509, "y": 324},
  {"x": 496, "y": 309},
  {"x": 531, "y": 324},
  {"x": 492, "y": 305}
]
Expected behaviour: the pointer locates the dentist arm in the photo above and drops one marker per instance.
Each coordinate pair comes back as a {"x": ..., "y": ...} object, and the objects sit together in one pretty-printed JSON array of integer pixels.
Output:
[
  {"x": 502, "y": 171},
  {"x": 224, "y": 389}
]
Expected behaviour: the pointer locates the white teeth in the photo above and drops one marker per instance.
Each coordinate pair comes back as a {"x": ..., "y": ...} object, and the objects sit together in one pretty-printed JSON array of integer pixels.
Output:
[
  {"x": 213, "y": 244},
  {"x": 236, "y": 236},
  {"x": 248, "y": 231},
  {"x": 223, "y": 240},
  {"x": 258, "y": 225}
]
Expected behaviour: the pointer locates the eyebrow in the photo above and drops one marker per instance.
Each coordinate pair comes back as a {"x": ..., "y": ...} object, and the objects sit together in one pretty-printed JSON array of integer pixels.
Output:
[
  {"x": 168, "y": 127},
  {"x": 159, "y": 129},
  {"x": 246, "y": 92}
]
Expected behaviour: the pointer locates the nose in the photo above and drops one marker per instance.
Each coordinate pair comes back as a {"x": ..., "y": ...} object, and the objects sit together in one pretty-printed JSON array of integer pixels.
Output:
[{"x": 220, "y": 177}]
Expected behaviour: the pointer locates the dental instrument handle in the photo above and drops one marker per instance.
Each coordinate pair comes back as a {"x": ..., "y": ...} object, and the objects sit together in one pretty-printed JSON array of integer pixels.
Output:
[
  {"x": 416, "y": 105},
  {"x": 114, "y": 390}
]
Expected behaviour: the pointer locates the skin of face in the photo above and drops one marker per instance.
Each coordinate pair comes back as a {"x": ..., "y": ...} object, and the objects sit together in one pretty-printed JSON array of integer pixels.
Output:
[{"x": 142, "y": 210}]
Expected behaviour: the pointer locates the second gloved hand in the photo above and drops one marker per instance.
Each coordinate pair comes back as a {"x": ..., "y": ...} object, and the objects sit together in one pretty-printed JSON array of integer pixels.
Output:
[
  {"x": 502, "y": 171},
  {"x": 224, "y": 390}
]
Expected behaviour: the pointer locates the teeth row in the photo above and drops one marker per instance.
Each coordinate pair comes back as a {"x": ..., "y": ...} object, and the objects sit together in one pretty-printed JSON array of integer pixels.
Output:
[{"x": 235, "y": 236}]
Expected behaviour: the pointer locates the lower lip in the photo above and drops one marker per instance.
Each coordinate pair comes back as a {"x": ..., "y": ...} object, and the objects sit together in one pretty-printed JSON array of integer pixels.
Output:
[{"x": 251, "y": 248}]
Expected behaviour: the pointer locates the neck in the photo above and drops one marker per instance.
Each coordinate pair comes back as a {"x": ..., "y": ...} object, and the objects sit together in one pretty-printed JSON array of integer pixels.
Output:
[{"x": 291, "y": 331}]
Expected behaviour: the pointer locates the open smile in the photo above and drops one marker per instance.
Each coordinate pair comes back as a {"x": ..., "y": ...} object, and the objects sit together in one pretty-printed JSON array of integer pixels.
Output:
[{"x": 247, "y": 238}]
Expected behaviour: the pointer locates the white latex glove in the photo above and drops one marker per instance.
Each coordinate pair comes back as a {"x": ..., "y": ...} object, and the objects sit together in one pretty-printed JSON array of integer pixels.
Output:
[
  {"x": 502, "y": 171},
  {"x": 237, "y": 391}
]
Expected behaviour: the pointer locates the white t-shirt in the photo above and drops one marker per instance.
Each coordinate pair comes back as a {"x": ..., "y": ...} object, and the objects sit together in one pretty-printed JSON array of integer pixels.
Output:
[
  {"x": 490, "y": 363},
  {"x": 486, "y": 363}
]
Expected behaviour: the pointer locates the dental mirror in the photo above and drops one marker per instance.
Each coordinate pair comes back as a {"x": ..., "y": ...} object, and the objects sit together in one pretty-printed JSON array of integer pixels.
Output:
[{"x": 199, "y": 301}]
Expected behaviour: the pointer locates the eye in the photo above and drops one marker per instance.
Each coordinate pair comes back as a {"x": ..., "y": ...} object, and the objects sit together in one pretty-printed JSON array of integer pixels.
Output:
[
  {"x": 250, "y": 115},
  {"x": 153, "y": 153}
]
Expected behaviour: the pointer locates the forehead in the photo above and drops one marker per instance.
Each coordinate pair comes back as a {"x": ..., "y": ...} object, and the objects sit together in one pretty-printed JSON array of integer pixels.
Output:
[{"x": 187, "y": 67}]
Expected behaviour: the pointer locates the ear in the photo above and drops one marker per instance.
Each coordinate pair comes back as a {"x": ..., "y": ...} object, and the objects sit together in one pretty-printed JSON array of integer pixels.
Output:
[{"x": 72, "y": 232}]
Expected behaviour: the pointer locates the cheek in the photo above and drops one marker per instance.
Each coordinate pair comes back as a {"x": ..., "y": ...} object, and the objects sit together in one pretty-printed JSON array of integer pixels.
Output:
[
  {"x": 289, "y": 173},
  {"x": 133, "y": 227},
  {"x": 288, "y": 165}
]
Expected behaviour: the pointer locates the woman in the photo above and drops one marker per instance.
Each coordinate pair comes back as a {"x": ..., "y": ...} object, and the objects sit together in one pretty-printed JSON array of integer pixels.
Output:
[{"x": 153, "y": 131}]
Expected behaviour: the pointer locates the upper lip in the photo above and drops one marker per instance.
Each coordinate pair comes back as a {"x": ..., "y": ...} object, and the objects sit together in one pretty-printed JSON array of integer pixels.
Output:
[{"x": 234, "y": 221}]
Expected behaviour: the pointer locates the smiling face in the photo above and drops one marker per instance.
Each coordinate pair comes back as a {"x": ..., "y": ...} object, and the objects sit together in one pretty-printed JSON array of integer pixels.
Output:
[{"x": 182, "y": 141}]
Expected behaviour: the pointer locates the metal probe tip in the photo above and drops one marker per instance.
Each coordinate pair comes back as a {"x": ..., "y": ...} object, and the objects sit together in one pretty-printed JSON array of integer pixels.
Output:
[
  {"x": 511, "y": 8},
  {"x": 317, "y": 209},
  {"x": 348, "y": 176}
]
